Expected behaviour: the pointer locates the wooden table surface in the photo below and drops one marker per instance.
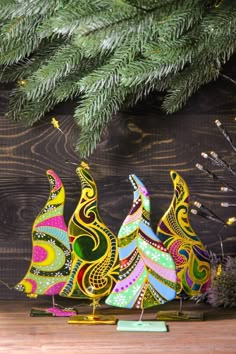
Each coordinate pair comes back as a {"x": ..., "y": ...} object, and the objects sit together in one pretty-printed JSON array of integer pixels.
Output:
[{"x": 20, "y": 333}]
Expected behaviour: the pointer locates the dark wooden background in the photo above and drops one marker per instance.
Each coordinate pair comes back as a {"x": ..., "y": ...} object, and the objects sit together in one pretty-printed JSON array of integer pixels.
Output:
[{"x": 143, "y": 141}]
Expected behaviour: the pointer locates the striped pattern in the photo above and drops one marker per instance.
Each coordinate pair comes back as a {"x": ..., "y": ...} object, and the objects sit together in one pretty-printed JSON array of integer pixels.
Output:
[{"x": 147, "y": 271}]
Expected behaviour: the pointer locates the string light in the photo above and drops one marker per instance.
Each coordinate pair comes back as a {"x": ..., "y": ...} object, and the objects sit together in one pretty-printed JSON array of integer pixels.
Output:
[
  {"x": 56, "y": 124},
  {"x": 22, "y": 82}
]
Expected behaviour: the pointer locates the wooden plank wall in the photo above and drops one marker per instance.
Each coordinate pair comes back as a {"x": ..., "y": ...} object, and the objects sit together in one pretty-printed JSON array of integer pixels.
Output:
[{"x": 143, "y": 141}]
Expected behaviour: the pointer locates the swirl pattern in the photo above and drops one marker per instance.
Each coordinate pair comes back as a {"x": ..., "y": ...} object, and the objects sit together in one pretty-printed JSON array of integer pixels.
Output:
[
  {"x": 94, "y": 246},
  {"x": 190, "y": 256},
  {"x": 51, "y": 256},
  {"x": 147, "y": 271}
]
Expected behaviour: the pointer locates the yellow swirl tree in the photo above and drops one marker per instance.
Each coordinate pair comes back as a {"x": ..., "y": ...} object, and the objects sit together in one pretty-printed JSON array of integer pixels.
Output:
[{"x": 94, "y": 247}]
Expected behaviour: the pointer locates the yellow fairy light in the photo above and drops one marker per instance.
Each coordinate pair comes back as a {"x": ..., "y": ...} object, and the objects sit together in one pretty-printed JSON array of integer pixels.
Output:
[
  {"x": 219, "y": 270},
  {"x": 230, "y": 221},
  {"x": 22, "y": 82},
  {"x": 56, "y": 124}
]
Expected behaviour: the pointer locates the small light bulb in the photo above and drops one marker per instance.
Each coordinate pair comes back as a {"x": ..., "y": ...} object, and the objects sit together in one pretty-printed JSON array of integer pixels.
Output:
[
  {"x": 230, "y": 221},
  {"x": 197, "y": 204},
  {"x": 203, "y": 154}
]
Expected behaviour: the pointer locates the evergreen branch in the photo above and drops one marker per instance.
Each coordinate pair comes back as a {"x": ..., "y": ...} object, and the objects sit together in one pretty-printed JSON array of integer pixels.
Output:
[
  {"x": 116, "y": 14},
  {"x": 59, "y": 66},
  {"x": 187, "y": 82},
  {"x": 74, "y": 53},
  {"x": 220, "y": 21},
  {"x": 68, "y": 89},
  {"x": 22, "y": 108},
  {"x": 108, "y": 75},
  {"x": 142, "y": 71},
  {"x": 33, "y": 110},
  {"x": 18, "y": 30},
  {"x": 17, "y": 100},
  {"x": 140, "y": 91},
  {"x": 93, "y": 115},
  {"x": 181, "y": 19},
  {"x": 146, "y": 5},
  {"x": 67, "y": 19},
  {"x": 19, "y": 52},
  {"x": 6, "y": 7},
  {"x": 26, "y": 67},
  {"x": 113, "y": 51},
  {"x": 28, "y": 8}
]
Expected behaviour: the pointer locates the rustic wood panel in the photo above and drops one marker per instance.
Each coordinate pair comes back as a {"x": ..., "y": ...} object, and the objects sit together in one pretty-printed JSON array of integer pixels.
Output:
[
  {"x": 20, "y": 333},
  {"x": 142, "y": 141}
]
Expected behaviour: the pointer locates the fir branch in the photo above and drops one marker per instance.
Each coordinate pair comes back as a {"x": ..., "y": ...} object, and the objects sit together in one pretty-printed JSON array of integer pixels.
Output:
[
  {"x": 28, "y": 8},
  {"x": 116, "y": 14},
  {"x": 19, "y": 52},
  {"x": 94, "y": 114},
  {"x": 20, "y": 108},
  {"x": 59, "y": 66},
  {"x": 113, "y": 52},
  {"x": 17, "y": 100},
  {"x": 146, "y": 5},
  {"x": 107, "y": 75},
  {"x": 67, "y": 19},
  {"x": 6, "y": 6},
  {"x": 32, "y": 111},
  {"x": 220, "y": 21},
  {"x": 143, "y": 71},
  {"x": 17, "y": 30},
  {"x": 110, "y": 74},
  {"x": 187, "y": 82},
  {"x": 181, "y": 19},
  {"x": 26, "y": 67},
  {"x": 79, "y": 49}
]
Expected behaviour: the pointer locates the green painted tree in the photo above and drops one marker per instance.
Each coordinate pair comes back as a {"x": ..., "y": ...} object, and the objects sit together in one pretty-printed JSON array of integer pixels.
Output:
[{"x": 110, "y": 53}]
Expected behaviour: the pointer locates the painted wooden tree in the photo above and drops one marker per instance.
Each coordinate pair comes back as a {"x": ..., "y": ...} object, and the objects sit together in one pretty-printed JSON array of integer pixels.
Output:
[
  {"x": 51, "y": 254},
  {"x": 190, "y": 256},
  {"x": 94, "y": 247},
  {"x": 147, "y": 271}
]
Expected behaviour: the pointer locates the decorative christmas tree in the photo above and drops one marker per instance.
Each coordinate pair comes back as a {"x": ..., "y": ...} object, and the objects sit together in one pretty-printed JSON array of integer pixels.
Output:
[
  {"x": 94, "y": 251},
  {"x": 51, "y": 255},
  {"x": 110, "y": 54},
  {"x": 190, "y": 256},
  {"x": 147, "y": 271}
]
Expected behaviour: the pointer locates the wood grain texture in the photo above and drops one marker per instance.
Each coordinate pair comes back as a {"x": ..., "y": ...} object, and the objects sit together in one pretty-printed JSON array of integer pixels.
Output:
[
  {"x": 22, "y": 334},
  {"x": 143, "y": 141}
]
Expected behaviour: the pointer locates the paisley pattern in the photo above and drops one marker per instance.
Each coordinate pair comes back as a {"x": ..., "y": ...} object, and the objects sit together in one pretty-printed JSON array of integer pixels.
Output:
[
  {"x": 51, "y": 255},
  {"x": 190, "y": 256},
  {"x": 94, "y": 247},
  {"x": 147, "y": 271}
]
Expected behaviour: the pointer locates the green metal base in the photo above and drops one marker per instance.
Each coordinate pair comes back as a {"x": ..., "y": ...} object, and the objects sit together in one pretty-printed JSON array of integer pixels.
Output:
[
  {"x": 180, "y": 316},
  {"x": 141, "y": 326},
  {"x": 35, "y": 312}
]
